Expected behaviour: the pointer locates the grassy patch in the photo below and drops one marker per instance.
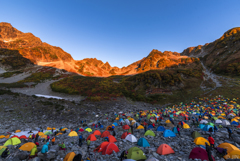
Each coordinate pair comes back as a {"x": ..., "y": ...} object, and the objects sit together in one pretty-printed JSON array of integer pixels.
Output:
[{"x": 9, "y": 74}]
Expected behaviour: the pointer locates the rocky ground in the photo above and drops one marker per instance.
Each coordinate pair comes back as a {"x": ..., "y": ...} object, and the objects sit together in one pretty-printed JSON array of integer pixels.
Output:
[{"x": 19, "y": 111}]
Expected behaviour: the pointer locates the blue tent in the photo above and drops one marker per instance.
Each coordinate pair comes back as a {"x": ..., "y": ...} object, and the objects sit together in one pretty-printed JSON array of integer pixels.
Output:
[
  {"x": 116, "y": 124},
  {"x": 175, "y": 130},
  {"x": 121, "y": 120},
  {"x": 101, "y": 126},
  {"x": 160, "y": 128},
  {"x": 171, "y": 115},
  {"x": 207, "y": 127},
  {"x": 201, "y": 126},
  {"x": 143, "y": 142},
  {"x": 150, "y": 126},
  {"x": 234, "y": 123},
  {"x": 168, "y": 133}
]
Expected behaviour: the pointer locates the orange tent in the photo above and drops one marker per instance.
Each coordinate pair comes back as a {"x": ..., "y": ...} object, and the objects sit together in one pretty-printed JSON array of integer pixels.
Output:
[
  {"x": 96, "y": 132},
  {"x": 111, "y": 139},
  {"x": 7, "y": 136},
  {"x": 92, "y": 137},
  {"x": 105, "y": 134},
  {"x": 110, "y": 148},
  {"x": 69, "y": 156},
  {"x": 101, "y": 147},
  {"x": 164, "y": 149},
  {"x": 23, "y": 137},
  {"x": 27, "y": 147},
  {"x": 109, "y": 127},
  {"x": 126, "y": 127}
]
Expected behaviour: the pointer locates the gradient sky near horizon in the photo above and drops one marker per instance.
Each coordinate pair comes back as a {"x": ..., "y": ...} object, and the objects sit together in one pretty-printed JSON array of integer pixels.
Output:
[{"x": 122, "y": 31}]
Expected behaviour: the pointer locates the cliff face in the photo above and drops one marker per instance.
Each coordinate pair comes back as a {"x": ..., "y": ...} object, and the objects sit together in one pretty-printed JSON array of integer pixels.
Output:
[{"x": 222, "y": 56}]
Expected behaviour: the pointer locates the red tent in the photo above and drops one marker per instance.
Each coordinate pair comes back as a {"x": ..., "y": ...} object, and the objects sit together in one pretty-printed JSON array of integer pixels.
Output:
[
  {"x": 15, "y": 136},
  {"x": 101, "y": 147},
  {"x": 124, "y": 135},
  {"x": 111, "y": 139},
  {"x": 81, "y": 130},
  {"x": 105, "y": 134},
  {"x": 199, "y": 153},
  {"x": 126, "y": 127},
  {"x": 92, "y": 137},
  {"x": 110, "y": 148},
  {"x": 23, "y": 137},
  {"x": 97, "y": 132}
]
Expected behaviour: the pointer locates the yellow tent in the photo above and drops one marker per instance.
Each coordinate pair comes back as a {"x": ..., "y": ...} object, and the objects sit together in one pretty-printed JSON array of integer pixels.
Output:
[
  {"x": 234, "y": 154},
  {"x": 2, "y": 136},
  {"x": 168, "y": 121},
  {"x": 64, "y": 129},
  {"x": 131, "y": 119},
  {"x": 27, "y": 147},
  {"x": 73, "y": 133},
  {"x": 205, "y": 117},
  {"x": 2, "y": 147},
  {"x": 140, "y": 127},
  {"x": 237, "y": 118},
  {"x": 223, "y": 114},
  {"x": 17, "y": 131},
  {"x": 228, "y": 146},
  {"x": 12, "y": 141},
  {"x": 88, "y": 130},
  {"x": 69, "y": 156},
  {"x": 54, "y": 128},
  {"x": 186, "y": 126},
  {"x": 44, "y": 136},
  {"x": 234, "y": 120},
  {"x": 117, "y": 118},
  {"x": 59, "y": 134},
  {"x": 40, "y": 133},
  {"x": 220, "y": 117},
  {"x": 49, "y": 128},
  {"x": 201, "y": 141}
]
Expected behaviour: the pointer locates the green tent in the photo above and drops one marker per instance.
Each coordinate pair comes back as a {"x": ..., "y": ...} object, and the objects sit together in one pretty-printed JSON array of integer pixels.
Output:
[
  {"x": 212, "y": 124},
  {"x": 148, "y": 116},
  {"x": 48, "y": 133},
  {"x": 136, "y": 154},
  {"x": 149, "y": 132},
  {"x": 215, "y": 118},
  {"x": 12, "y": 141},
  {"x": 2, "y": 150},
  {"x": 195, "y": 134}
]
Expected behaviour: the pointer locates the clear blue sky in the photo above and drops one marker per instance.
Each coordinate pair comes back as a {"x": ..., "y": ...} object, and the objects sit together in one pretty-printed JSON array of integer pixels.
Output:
[{"x": 122, "y": 31}]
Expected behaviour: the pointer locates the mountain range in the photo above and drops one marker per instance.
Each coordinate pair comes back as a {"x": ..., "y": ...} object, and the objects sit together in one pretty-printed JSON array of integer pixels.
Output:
[{"x": 221, "y": 56}]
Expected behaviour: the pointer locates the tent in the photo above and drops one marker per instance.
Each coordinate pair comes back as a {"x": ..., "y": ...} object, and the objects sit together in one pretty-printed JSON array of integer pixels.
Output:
[
  {"x": 73, "y": 133},
  {"x": 201, "y": 126},
  {"x": 126, "y": 127},
  {"x": 152, "y": 159},
  {"x": 23, "y": 137},
  {"x": 69, "y": 156},
  {"x": 111, "y": 139},
  {"x": 105, "y": 134},
  {"x": 164, "y": 149},
  {"x": 40, "y": 133},
  {"x": 109, "y": 149},
  {"x": 195, "y": 134},
  {"x": 48, "y": 133},
  {"x": 88, "y": 129},
  {"x": 143, "y": 142},
  {"x": 203, "y": 122},
  {"x": 160, "y": 128},
  {"x": 199, "y": 153},
  {"x": 234, "y": 154},
  {"x": 115, "y": 124},
  {"x": 92, "y": 137},
  {"x": 101, "y": 146},
  {"x": 228, "y": 146},
  {"x": 150, "y": 127},
  {"x": 12, "y": 141},
  {"x": 201, "y": 141},
  {"x": 124, "y": 135},
  {"x": 168, "y": 133},
  {"x": 207, "y": 127},
  {"x": 186, "y": 126},
  {"x": 2, "y": 150},
  {"x": 2, "y": 136},
  {"x": 136, "y": 154},
  {"x": 17, "y": 131},
  {"x": 234, "y": 123},
  {"x": 149, "y": 132},
  {"x": 96, "y": 132},
  {"x": 218, "y": 121},
  {"x": 175, "y": 130},
  {"x": 49, "y": 128},
  {"x": 168, "y": 121},
  {"x": 131, "y": 138},
  {"x": 225, "y": 122},
  {"x": 27, "y": 147},
  {"x": 140, "y": 127}
]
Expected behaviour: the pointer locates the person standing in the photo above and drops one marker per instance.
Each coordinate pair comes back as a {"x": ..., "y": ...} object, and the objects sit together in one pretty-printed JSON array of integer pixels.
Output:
[
  {"x": 229, "y": 132},
  {"x": 178, "y": 130},
  {"x": 209, "y": 152},
  {"x": 211, "y": 141}
]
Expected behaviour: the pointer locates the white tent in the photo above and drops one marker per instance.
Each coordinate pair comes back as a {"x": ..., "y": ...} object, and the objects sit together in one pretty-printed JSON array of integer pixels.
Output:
[
  {"x": 127, "y": 121},
  {"x": 225, "y": 122},
  {"x": 218, "y": 121},
  {"x": 131, "y": 138},
  {"x": 203, "y": 122}
]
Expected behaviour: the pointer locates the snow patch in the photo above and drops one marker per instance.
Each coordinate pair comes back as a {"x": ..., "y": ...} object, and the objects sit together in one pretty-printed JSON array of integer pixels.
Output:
[{"x": 47, "y": 96}]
